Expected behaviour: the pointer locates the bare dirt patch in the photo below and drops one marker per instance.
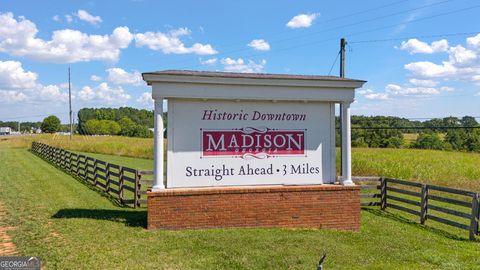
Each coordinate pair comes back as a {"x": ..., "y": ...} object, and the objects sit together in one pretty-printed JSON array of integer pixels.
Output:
[{"x": 7, "y": 247}]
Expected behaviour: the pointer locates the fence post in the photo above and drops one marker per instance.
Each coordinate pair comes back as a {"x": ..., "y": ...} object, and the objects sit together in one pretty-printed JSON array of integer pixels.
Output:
[
  {"x": 474, "y": 217},
  {"x": 62, "y": 159},
  {"x": 95, "y": 172},
  {"x": 383, "y": 193},
  {"x": 120, "y": 184},
  {"x": 69, "y": 158},
  {"x": 137, "y": 190},
  {"x": 107, "y": 177},
  {"x": 424, "y": 204}
]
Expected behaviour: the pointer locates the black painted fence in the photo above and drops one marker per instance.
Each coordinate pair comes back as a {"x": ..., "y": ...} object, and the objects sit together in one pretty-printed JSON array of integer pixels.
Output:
[
  {"x": 449, "y": 206},
  {"x": 457, "y": 208},
  {"x": 128, "y": 185}
]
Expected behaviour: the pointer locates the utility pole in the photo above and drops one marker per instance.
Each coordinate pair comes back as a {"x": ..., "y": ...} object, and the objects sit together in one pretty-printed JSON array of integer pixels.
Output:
[
  {"x": 70, "y": 103},
  {"x": 18, "y": 126},
  {"x": 342, "y": 75}
]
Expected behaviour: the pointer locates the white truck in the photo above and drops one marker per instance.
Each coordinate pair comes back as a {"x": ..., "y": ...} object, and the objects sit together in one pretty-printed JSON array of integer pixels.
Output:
[{"x": 5, "y": 130}]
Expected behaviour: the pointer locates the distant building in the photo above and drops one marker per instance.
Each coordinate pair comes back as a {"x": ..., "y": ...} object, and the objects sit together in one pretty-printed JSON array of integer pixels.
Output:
[
  {"x": 35, "y": 130},
  {"x": 5, "y": 130}
]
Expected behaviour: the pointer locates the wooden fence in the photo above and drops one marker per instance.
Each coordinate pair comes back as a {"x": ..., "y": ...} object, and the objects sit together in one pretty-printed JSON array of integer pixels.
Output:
[
  {"x": 128, "y": 185},
  {"x": 453, "y": 207},
  {"x": 449, "y": 206}
]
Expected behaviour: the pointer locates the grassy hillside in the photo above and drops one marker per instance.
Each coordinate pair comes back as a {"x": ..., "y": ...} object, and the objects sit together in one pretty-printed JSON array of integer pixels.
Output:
[{"x": 71, "y": 226}]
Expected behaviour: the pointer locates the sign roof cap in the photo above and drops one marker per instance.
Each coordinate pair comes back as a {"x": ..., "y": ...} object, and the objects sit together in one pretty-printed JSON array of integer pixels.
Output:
[{"x": 195, "y": 73}]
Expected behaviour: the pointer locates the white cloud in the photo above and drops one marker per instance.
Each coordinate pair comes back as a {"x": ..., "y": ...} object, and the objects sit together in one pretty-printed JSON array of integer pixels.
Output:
[
  {"x": 239, "y": 65},
  {"x": 13, "y": 76},
  {"x": 394, "y": 91},
  {"x": 19, "y": 38},
  {"x": 52, "y": 93},
  {"x": 364, "y": 91},
  {"x": 423, "y": 83},
  {"x": 210, "y": 61},
  {"x": 474, "y": 42},
  {"x": 87, "y": 17},
  {"x": 377, "y": 96},
  {"x": 86, "y": 93},
  {"x": 17, "y": 85},
  {"x": 414, "y": 46},
  {"x": 104, "y": 94},
  {"x": 302, "y": 20},
  {"x": 461, "y": 56},
  {"x": 430, "y": 70},
  {"x": 95, "y": 78},
  {"x": 11, "y": 96},
  {"x": 120, "y": 76},
  {"x": 259, "y": 44},
  {"x": 463, "y": 64},
  {"x": 170, "y": 43},
  {"x": 146, "y": 99},
  {"x": 56, "y": 18}
]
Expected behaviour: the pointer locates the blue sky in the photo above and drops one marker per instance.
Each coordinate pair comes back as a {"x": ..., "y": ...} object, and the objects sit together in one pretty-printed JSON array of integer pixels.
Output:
[{"x": 404, "y": 49}]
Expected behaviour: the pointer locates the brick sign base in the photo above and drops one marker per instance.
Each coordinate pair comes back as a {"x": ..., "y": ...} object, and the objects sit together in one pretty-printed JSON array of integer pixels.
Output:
[{"x": 313, "y": 206}]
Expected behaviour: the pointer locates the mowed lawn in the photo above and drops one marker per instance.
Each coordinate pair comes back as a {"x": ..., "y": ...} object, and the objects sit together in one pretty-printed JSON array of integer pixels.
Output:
[{"x": 71, "y": 226}]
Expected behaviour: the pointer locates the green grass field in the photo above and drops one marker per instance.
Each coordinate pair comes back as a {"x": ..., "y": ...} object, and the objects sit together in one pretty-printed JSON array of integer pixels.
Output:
[
  {"x": 453, "y": 169},
  {"x": 71, "y": 226}
]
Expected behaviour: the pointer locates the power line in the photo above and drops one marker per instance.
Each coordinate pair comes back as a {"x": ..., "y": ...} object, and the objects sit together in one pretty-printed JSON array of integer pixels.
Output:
[
  {"x": 428, "y": 118},
  {"x": 414, "y": 128},
  {"x": 418, "y": 20},
  {"x": 350, "y": 34},
  {"x": 325, "y": 21},
  {"x": 366, "y": 20},
  {"x": 333, "y": 64},
  {"x": 326, "y": 30},
  {"x": 417, "y": 37},
  {"x": 363, "y": 11},
  {"x": 433, "y": 128}
]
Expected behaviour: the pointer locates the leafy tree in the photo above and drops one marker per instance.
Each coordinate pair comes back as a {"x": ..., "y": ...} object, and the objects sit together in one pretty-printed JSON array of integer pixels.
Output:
[
  {"x": 468, "y": 121},
  {"x": 472, "y": 140},
  {"x": 456, "y": 138},
  {"x": 91, "y": 127},
  {"x": 142, "y": 132},
  {"x": 143, "y": 118},
  {"x": 127, "y": 126},
  {"x": 111, "y": 127},
  {"x": 430, "y": 141},
  {"x": 50, "y": 124},
  {"x": 102, "y": 127}
]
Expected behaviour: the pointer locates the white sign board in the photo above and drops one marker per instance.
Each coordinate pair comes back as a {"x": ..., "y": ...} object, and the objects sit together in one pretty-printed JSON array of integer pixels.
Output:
[{"x": 225, "y": 143}]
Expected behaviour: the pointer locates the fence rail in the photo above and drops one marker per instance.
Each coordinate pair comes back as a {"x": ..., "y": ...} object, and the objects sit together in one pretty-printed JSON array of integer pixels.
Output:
[
  {"x": 427, "y": 202},
  {"x": 124, "y": 183},
  {"x": 417, "y": 199}
]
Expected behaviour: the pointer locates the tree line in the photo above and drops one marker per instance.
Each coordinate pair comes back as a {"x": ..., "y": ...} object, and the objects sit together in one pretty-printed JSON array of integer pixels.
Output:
[
  {"x": 124, "y": 121},
  {"x": 449, "y": 133}
]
